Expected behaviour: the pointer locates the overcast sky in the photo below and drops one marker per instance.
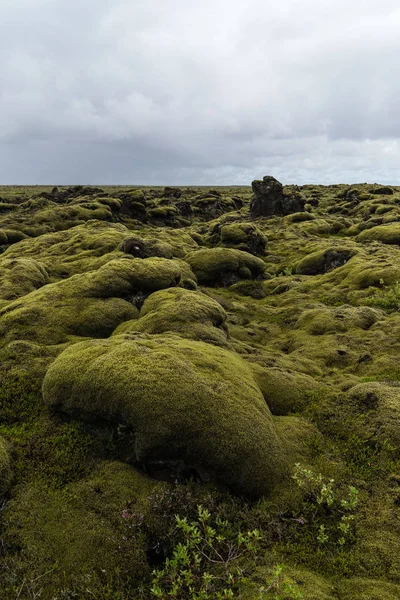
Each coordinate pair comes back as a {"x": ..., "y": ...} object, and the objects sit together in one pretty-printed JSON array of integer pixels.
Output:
[{"x": 189, "y": 92}]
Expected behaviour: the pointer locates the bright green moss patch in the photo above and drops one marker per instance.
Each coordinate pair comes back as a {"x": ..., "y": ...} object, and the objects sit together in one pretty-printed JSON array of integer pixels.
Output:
[
  {"x": 284, "y": 391},
  {"x": 387, "y": 234},
  {"x": 221, "y": 266},
  {"x": 190, "y": 314},
  {"x": 184, "y": 400},
  {"x": 319, "y": 321},
  {"x": 88, "y": 305},
  {"x": 243, "y": 236},
  {"x": 20, "y": 276}
]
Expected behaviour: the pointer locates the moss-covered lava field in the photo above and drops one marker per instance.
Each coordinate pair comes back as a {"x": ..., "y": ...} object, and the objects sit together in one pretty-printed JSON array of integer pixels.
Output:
[{"x": 167, "y": 349}]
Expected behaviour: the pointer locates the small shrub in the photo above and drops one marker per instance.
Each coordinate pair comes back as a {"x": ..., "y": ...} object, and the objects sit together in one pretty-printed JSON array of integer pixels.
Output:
[
  {"x": 206, "y": 563},
  {"x": 387, "y": 297},
  {"x": 281, "y": 587}
]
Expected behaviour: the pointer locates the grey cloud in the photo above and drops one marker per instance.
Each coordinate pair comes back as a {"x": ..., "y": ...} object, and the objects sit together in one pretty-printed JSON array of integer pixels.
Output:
[{"x": 111, "y": 91}]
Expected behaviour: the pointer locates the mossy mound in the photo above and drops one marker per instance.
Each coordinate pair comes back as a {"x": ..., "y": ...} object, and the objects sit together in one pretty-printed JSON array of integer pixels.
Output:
[
  {"x": 86, "y": 531},
  {"x": 387, "y": 234},
  {"x": 319, "y": 321},
  {"x": 10, "y": 236},
  {"x": 21, "y": 276},
  {"x": 300, "y": 217},
  {"x": 5, "y": 467},
  {"x": 323, "y": 261},
  {"x": 284, "y": 391},
  {"x": 297, "y": 582},
  {"x": 189, "y": 314},
  {"x": 380, "y": 404},
  {"x": 184, "y": 400},
  {"x": 243, "y": 236},
  {"x": 91, "y": 304},
  {"x": 146, "y": 248},
  {"x": 224, "y": 266},
  {"x": 358, "y": 588},
  {"x": 74, "y": 251}
]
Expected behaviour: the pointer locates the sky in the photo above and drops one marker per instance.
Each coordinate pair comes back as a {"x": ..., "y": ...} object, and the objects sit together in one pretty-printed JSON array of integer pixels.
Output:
[{"x": 182, "y": 92}]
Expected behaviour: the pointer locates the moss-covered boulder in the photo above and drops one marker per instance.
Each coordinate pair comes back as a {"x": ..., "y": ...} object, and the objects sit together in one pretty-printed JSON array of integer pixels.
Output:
[
  {"x": 5, "y": 466},
  {"x": 91, "y": 304},
  {"x": 323, "y": 261},
  {"x": 224, "y": 266},
  {"x": 190, "y": 314},
  {"x": 146, "y": 248},
  {"x": 243, "y": 236},
  {"x": 183, "y": 400},
  {"x": 387, "y": 234},
  {"x": 21, "y": 276},
  {"x": 380, "y": 404},
  {"x": 319, "y": 321},
  {"x": 284, "y": 391}
]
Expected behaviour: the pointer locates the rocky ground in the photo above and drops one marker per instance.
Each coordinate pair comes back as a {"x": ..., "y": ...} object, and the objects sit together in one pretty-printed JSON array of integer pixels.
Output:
[{"x": 232, "y": 348}]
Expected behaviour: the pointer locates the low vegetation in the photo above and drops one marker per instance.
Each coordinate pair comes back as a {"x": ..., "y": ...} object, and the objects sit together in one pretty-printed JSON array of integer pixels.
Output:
[{"x": 199, "y": 393}]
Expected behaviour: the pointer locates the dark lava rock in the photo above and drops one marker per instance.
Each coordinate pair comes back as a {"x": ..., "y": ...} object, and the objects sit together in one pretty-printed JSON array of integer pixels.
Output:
[
  {"x": 172, "y": 192},
  {"x": 269, "y": 199},
  {"x": 384, "y": 191}
]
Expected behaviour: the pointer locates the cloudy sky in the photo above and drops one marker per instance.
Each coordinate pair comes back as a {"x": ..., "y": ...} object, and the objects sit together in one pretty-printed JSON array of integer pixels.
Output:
[{"x": 189, "y": 92}]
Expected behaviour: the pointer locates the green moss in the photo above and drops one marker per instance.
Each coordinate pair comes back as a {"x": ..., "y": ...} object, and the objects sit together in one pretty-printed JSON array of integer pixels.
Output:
[
  {"x": 190, "y": 314},
  {"x": 74, "y": 251},
  {"x": 319, "y": 321},
  {"x": 368, "y": 589},
  {"x": 387, "y": 234},
  {"x": 89, "y": 540},
  {"x": 5, "y": 467},
  {"x": 163, "y": 212},
  {"x": 146, "y": 248},
  {"x": 20, "y": 276},
  {"x": 220, "y": 266},
  {"x": 284, "y": 391},
  {"x": 323, "y": 261},
  {"x": 300, "y": 217},
  {"x": 243, "y": 236},
  {"x": 92, "y": 304},
  {"x": 380, "y": 404},
  {"x": 184, "y": 400},
  {"x": 291, "y": 583}
]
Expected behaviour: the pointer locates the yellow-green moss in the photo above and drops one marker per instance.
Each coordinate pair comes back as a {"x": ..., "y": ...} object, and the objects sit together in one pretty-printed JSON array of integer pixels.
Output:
[
  {"x": 184, "y": 400},
  {"x": 243, "y": 236},
  {"x": 190, "y": 314},
  {"x": 220, "y": 266},
  {"x": 358, "y": 588},
  {"x": 323, "y": 261},
  {"x": 91, "y": 304},
  {"x": 284, "y": 391},
  {"x": 88, "y": 535},
  {"x": 319, "y": 321},
  {"x": 387, "y": 234},
  {"x": 380, "y": 404},
  {"x": 20, "y": 276}
]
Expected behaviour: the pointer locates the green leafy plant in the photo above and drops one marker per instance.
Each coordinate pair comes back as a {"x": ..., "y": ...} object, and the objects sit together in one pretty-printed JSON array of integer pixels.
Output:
[
  {"x": 206, "y": 564},
  {"x": 281, "y": 587},
  {"x": 386, "y": 297},
  {"x": 325, "y": 509}
]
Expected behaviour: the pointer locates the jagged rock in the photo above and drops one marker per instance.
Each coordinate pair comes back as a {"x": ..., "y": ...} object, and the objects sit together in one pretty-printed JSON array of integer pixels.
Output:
[
  {"x": 269, "y": 199},
  {"x": 172, "y": 192}
]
